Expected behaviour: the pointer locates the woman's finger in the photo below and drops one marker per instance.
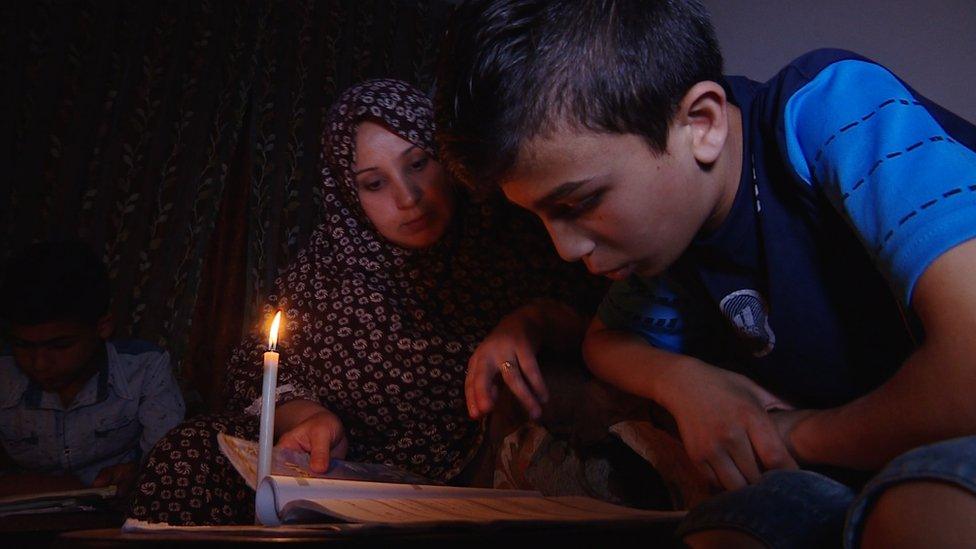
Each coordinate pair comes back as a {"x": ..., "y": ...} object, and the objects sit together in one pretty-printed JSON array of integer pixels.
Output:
[
  {"x": 482, "y": 379},
  {"x": 321, "y": 440},
  {"x": 513, "y": 378},
  {"x": 530, "y": 369},
  {"x": 469, "y": 396}
]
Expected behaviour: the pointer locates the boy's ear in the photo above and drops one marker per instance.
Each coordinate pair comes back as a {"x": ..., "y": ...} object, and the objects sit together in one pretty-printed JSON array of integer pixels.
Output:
[
  {"x": 704, "y": 113},
  {"x": 105, "y": 326}
]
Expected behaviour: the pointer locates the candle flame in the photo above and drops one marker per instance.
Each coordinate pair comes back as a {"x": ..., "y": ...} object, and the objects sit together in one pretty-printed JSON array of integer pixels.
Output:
[{"x": 273, "y": 333}]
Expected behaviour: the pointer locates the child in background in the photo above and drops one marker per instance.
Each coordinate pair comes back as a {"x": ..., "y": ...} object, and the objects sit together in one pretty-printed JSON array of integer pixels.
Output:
[
  {"x": 812, "y": 236},
  {"x": 76, "y": 409}
]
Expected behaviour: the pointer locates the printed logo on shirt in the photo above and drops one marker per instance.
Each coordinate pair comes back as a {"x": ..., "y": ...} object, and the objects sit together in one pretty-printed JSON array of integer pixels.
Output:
[{"x": 747, "y": 312}]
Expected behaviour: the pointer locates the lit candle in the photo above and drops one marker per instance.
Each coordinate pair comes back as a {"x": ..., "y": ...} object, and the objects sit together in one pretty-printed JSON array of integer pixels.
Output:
[{"x": 266, "y": 438}]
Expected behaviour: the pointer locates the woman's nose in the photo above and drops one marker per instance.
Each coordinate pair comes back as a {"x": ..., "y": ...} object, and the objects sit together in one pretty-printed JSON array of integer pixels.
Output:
[{"x": 407, "y": 193}]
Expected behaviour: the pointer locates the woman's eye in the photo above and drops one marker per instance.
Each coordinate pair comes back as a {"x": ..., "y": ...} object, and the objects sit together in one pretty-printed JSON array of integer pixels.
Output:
[
  {"x": 420, "y": 164},
  {"x": 373, "y": 185}
]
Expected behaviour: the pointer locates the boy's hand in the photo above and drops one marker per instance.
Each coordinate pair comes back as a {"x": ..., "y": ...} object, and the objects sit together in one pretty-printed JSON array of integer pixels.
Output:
[
  {"x": 36, "y": 483},
  {"x": 786, "y": 421},
  {"x": 510, "y": 349},
  {"x": 122, "y": 475},
  {"x": 725, "y": 425},
  {"x": 321, "y": 435}
]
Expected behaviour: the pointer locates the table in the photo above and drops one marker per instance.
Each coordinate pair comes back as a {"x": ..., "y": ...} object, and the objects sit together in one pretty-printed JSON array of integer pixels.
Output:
[
  {"x": 643, "y": 535},
  {"x": 41, "y": 529}
]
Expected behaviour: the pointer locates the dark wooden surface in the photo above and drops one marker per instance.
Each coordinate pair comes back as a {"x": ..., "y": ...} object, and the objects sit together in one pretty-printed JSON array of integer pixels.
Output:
[
  {"x": 643, "y": 535},
  {"x": 42, "y": 529}
]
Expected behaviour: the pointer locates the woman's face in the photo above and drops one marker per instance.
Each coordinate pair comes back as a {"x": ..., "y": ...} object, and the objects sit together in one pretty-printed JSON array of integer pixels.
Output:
[{"x": 404, "y": 192}]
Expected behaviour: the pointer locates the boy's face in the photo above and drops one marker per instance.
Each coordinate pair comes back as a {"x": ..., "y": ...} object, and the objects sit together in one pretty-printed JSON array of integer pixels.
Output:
[
  {"x": 54, "y": 354},
  {"x": 611, "y": 201}
]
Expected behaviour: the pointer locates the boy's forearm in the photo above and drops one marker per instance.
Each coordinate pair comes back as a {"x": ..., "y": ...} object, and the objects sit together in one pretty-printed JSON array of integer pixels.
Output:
[{"x": 929, "y": 399}]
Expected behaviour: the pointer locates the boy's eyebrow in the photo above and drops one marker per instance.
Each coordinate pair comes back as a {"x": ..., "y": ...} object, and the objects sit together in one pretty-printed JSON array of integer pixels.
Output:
[
  {"x": 559, "y": 193},
  {"x": 404, "y": 153},
  {"x": 53, "y": 341}
]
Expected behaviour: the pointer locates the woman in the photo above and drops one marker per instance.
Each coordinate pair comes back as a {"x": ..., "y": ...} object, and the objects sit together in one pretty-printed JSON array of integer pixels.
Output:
[{"x": 408, "y": 301}]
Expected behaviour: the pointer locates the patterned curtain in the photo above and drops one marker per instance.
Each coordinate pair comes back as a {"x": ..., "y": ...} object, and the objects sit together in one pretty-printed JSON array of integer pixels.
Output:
[{"x": 181, "y": 140}]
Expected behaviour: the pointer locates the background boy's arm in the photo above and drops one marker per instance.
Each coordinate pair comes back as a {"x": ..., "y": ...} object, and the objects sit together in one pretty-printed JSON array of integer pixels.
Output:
[
  {"x": 929, "y": 399},
  {"x": 24, "y": 483},
  {"x": 161, "y": 404},
  {"x": 722, "y": 416}
]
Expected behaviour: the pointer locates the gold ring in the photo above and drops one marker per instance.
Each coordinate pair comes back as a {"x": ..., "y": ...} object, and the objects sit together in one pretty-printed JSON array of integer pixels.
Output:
[{"x": 506, "y": 366}]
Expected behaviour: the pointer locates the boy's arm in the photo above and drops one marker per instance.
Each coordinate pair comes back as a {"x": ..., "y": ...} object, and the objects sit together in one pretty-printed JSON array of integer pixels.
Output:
[
  {"x": 161, "y": 404},
  {"x": 901, "y": 171},
  {"x": 722, "y": 416},
  {"x": 929, "y": 399}
]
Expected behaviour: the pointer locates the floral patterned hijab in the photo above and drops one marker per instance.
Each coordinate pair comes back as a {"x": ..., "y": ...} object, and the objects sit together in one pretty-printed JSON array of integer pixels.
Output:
[{"x": 381, "y": 335}]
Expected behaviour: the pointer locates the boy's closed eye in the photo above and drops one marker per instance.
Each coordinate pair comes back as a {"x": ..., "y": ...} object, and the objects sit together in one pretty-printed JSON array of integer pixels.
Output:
[
  {"x": 573, "y": 207},
  {"x": 59, "y": 343}
]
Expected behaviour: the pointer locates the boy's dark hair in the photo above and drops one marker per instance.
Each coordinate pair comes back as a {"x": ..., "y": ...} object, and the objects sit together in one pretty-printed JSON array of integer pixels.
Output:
[
  {"x": 511, "y": 70},
  {"x": 51, "y": 282}
]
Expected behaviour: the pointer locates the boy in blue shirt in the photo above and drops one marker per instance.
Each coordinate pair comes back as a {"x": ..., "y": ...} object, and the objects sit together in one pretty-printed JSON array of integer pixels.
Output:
[
  {"x": 75, "y": 408},
  {"x": 813, "y": 235}
]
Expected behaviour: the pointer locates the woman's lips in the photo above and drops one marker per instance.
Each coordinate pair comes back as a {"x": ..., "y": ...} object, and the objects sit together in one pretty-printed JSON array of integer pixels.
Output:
[{"x": 416, "y": 224}]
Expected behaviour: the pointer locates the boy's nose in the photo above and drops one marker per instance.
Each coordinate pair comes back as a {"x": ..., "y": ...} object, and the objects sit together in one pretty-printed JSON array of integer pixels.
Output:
[
  {"x": 570, "y": 245},
  {"x": 38, "y": 360}
]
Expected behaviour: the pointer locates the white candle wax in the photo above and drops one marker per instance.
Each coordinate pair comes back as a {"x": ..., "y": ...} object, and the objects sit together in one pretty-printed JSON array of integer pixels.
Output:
[{"x": 266, "y": 437}]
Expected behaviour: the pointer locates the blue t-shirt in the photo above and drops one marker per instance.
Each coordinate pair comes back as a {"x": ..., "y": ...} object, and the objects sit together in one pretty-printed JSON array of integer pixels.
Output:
[{"x": 852, "y": 184}]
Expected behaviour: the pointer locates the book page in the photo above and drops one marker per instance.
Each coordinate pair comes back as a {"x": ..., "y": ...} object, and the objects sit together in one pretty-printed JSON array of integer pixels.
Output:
[
  {"x": 276, "y": 492},
  {"x": 480, "y": 510},
  {"x": 132, "y": 525},
  {"x": 55, "y": 499}
]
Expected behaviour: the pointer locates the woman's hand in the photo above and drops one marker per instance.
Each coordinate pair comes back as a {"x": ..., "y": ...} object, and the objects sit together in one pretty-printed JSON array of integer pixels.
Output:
[
  {"x": 510, "y": 349},
  {"x": 726, "y": 426},
  {"x": 319, "y": 432}
]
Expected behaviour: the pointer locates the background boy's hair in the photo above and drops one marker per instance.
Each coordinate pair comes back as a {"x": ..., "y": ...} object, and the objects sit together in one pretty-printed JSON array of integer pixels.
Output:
[
  {"x": 54, "y": 281},
  {"x": 511, "y": 70}
]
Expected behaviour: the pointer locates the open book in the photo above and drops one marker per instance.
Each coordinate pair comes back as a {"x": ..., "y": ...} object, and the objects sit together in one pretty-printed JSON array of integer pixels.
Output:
[
  {"x": 375, "y": 494},
  {"x": 84, "y": 499}
]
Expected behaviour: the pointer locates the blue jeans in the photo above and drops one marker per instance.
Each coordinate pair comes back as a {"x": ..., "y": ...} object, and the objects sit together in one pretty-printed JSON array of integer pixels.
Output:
[{"x": 807, "y": 509}]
